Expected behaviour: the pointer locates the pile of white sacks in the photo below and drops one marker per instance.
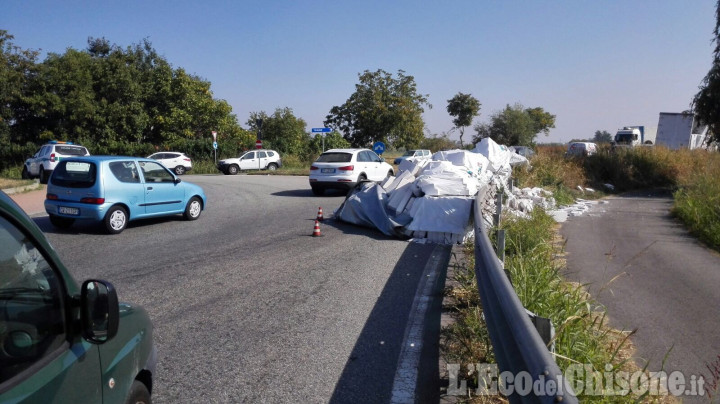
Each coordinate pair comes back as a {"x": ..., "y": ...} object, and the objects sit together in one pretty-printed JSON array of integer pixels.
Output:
[{"x": 431, "y": 200}]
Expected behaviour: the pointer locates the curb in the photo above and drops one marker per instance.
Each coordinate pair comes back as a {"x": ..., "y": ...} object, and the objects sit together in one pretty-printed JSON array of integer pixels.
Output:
[{"x": 24, "y": 188}]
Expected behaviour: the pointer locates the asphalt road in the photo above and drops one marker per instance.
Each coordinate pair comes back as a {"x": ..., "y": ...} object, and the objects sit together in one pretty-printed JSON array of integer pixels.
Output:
[
  {"x": 667, "y": 284},
  {"x": 248, "y": 307}
]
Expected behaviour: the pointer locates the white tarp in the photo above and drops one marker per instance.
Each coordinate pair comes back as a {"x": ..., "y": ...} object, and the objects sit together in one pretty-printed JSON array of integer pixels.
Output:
[
  {"x": 441, "y": 214},
  {"x": 432, "y": 199},
  {"x": 448, "y": 184},
  {"x": 472, "y": 162},
  {"x": 499, "y": 156}
]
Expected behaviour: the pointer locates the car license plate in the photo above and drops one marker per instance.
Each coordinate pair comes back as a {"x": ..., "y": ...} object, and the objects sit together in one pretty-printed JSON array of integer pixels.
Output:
[
  {"x": 327, "y": 170},
  {"x": 68, "y": 211}
]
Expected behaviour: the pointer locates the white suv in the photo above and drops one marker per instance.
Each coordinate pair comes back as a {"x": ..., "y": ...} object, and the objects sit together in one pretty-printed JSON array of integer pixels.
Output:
[
  {"x": 42, "y": 164},
  {"x": 252, "y": 160},
  {"x": 345, "y": 168},
  {"x": 175, "y": 161}
]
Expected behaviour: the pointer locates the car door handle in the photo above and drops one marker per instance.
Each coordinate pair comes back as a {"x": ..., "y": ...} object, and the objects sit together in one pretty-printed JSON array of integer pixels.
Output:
[{"x": 149, "y": 188}]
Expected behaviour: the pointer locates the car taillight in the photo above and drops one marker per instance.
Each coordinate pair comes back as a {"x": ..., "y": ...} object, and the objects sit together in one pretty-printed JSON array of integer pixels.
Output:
[
  {"x": 186, "y": 159},
  {"x": 313, "y": 168},
  {"x": 52, "y": 158},
  {"x": 346, "y": 168},
  {"x": 93, "y": 201},
  {"x": 51, "y": 196}
]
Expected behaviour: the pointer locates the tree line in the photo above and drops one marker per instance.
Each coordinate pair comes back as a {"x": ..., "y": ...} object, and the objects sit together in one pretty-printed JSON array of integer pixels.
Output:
[{"x": 132, "y": 101}]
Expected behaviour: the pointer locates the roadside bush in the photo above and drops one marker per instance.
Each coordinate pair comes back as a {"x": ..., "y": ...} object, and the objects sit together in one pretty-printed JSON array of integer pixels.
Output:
[
  {"x": 637, "y": 168},
  {"x": 697, "y": 202},
  {"x": 548, "y": 168}
]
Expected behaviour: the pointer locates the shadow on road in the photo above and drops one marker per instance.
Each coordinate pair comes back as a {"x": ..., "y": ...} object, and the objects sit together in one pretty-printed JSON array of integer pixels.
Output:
[
  {"x": 308, "y": 193},
  {"x": 370, "y": 370},
  {"x": 93, "y": 227}
]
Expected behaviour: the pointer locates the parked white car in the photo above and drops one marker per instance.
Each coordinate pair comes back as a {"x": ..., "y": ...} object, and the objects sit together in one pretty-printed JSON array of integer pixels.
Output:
[
  {"x": 42, "y": 164},
  {"x": 178, "y": 162},
  {"x": 252, "y": 160},
  {"x": 415, "y": 154},
  {"x": 345, "y": 168}
]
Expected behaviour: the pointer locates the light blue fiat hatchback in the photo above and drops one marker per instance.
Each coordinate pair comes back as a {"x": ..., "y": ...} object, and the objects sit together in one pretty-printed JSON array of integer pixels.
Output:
[{"x": 115, "y": 189}]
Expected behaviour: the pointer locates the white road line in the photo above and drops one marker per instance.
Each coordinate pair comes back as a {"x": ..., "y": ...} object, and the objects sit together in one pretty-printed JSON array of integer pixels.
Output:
[{"x": 406, "y": 375}]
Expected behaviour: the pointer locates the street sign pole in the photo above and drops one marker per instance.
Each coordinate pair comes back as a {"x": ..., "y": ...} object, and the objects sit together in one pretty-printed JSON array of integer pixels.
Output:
[
  {"x": 322, "y": 131},
  {"x": 215, "y": 146},
  {"x": 258, "y": 142}
]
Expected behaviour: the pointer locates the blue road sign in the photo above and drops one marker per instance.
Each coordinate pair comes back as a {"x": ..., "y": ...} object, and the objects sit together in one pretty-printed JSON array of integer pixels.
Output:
[
  {"x": 321, "y": 130},
  {"x": 215, "y": 145},
  {"x": 379, "y": 147}
]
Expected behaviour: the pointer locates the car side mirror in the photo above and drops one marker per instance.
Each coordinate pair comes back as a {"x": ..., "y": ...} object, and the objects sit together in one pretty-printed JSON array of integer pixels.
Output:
[
  {"x": 177, "y": 180},
  {"x": 99, "y": 311}
]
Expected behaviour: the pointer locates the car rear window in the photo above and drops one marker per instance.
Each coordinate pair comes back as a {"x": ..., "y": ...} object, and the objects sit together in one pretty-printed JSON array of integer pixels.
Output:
[
  {"x": 74, "y": 174},
  {"x": 71, "y": 150},
  {"x": 334, "y": 158}
]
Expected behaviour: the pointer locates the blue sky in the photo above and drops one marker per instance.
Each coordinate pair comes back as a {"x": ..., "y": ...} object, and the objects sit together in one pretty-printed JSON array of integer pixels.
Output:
[{"x": 596, "y": 65}]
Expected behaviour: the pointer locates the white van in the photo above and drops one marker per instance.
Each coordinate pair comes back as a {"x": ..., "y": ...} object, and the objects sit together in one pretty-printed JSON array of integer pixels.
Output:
[{"x": 581, "y": 149}]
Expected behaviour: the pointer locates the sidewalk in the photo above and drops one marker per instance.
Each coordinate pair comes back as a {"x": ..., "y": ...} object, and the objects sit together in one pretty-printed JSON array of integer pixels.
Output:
[{"x": 32, "y": 202}]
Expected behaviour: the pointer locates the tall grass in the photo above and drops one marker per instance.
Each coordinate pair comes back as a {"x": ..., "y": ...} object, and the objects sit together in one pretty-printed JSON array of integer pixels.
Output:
[
  {"x": 697, "y": 202},
  {"x": 550, "y": 170},
  {"x": 582, "y": 335},
  {"x": 694, "y": 175}
]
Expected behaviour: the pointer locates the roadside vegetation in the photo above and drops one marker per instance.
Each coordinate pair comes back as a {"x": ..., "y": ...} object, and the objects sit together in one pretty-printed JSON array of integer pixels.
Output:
[
  {"x": 531, "y": 259},
  {"x": 534, "y": 256},
  {"x": 692, "y": 175}
]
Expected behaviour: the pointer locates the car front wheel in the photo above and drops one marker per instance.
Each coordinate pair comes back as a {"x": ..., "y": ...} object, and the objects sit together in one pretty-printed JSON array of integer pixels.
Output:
[
  {"x": 116, "y": 220},
  {"x": 233, "y": 169},
  {"x": 138, "y": 394},
  {"x": 193, "y": 208},
  {"x": 272, "y": 167}
]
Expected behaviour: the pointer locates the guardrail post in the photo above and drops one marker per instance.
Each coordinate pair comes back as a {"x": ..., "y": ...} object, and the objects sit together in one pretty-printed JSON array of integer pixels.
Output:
[
  {"x": 501, "y": 245},
  {"x": 498, "y": 207},
  {"x": 517, "y": 344}
]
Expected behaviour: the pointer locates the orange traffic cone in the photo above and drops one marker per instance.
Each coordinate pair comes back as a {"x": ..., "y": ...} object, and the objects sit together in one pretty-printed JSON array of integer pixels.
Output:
[
  {"x": 320, "y": 214},
  {"x": 316, "y": 230}
]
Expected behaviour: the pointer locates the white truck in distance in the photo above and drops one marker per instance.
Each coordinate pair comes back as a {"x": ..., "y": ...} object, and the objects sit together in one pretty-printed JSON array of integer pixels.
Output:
[
  {"x": 679, "y": 130},
  {"x": 633, "y": 136}
]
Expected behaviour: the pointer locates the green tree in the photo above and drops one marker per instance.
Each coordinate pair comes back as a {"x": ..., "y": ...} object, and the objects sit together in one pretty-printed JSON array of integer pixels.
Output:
[
  {"x": 282, "y": 131},
  {"x": 382, "y": 108},
  {"x": 17, "y": 67},
  {"x": 333, "y": 140},
  {"x": 516, "y": 126},
  {"x": 706, "y": 103},
  {"x": 464, "y": 108},
  {"x": 119, "y": 100},
  {"x": 602, "y": 137},
  {"x": 437, "y": 143}
]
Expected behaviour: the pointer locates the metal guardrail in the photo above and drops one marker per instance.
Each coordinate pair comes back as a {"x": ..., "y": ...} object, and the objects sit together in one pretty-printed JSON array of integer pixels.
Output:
[{"x": 517, "y": 345}]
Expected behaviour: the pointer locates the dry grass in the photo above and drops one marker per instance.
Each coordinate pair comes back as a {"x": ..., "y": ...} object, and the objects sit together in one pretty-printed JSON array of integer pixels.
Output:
[
  {"x": 6, "y": 183},
  {"x": 535, "y": 257}
]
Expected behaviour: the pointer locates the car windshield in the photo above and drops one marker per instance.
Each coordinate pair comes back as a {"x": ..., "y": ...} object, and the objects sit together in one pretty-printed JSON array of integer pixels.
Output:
[
  {"x": 74, "y": 174},
  {"x": 71, "y": 150},
  {"x": 409, "y": 153},
  {"x": 334, "y": 158}
]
